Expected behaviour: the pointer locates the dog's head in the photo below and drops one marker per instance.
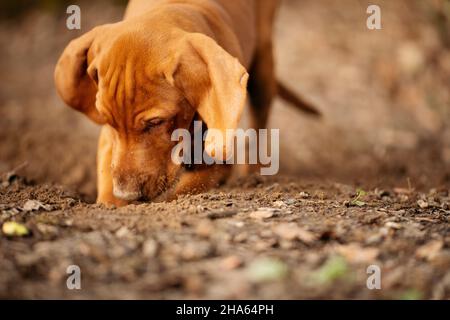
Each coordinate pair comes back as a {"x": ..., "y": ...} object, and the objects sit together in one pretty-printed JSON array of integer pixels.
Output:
[{"x": 144, "y": 85}]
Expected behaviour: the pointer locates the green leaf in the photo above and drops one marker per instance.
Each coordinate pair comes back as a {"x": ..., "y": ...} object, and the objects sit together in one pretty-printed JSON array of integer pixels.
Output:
[
  {"x": 359, "y": 203},
  {"x": 356, "y": 200},
  {"x": 334, "y": 268},
  {"x": 267, "y": 269},
  {"x": 411, "y": 294}
]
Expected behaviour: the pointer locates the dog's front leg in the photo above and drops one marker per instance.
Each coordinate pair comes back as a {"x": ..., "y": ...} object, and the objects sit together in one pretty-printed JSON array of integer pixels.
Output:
[
  {"x": 198, "y": 181},
  {"x": 104, "y": 178}
]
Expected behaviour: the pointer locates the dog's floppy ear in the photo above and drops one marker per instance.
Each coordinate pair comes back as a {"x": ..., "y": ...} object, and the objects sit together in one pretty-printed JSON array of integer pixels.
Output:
[
  {"x": 215, "y": 83},
  {"x": 74, "y": 83}
]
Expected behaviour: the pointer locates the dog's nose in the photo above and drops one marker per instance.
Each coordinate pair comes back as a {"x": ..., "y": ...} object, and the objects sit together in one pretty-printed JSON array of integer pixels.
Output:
[
  {"x": 130, "y": 191},
  {"x": 126, "y": 195}
]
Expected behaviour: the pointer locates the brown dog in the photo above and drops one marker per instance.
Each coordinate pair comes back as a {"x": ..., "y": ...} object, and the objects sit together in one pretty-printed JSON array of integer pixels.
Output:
[{"x": 167, "y": 63}]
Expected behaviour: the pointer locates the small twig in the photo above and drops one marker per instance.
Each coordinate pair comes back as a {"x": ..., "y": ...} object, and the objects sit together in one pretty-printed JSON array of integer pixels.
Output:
[
  {"x": 15, "y": 169},
  {"x": 409, "y": 185}
]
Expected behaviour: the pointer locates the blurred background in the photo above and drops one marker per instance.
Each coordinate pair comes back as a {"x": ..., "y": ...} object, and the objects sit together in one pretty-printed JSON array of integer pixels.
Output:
[{"x": 384, "y": 94}]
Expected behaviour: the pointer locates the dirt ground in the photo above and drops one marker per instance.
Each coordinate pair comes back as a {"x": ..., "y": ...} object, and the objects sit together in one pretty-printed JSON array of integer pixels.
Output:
[{"x": 366, "y": 185}]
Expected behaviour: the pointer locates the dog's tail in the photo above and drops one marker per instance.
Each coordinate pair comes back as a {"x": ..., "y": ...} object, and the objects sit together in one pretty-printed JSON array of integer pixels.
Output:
[{"x": 292, "y": 98}]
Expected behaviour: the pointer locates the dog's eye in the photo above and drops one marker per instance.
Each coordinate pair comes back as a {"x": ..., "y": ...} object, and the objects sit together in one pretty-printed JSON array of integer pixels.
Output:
[{"x": 152, "y": 123}]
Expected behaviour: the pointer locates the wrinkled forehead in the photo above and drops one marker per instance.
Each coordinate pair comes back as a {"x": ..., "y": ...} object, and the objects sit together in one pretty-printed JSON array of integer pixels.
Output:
[
  {"x": 131, "y": 79},
  {"x": 127, "y": 91}
]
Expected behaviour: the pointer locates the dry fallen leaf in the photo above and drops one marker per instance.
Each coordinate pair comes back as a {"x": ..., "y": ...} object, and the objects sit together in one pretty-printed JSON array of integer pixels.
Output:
[
  {"x": 290, "y": 231},
  {"x": 403, "y": 191},
  {"x": 430, "y": 250},
  {"x": 356, "y": 254}
]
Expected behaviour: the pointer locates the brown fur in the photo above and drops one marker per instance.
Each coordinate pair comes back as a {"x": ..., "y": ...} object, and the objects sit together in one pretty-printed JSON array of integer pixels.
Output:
[{"x": 153, "y": 72}]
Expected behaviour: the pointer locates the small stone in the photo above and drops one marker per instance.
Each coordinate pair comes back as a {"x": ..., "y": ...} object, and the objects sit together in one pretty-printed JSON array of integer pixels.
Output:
[
  {"x": 261, "y": 214},
  {"x": 304, "y": 195},
  {"x": 430, "y": 250},
  {"x": 422, "y": 204},
  {"x": 34, "y": 205},
  {"x": 403, "y": 198},
  {"x": 67, "y": 223},
  {"x": 374, "y": 239},
  {"x": 290, "y": 231},
  {"x": 393, "y": 225},
  {"x": 194, "y": 284},
  {"x": 237, "y": 223},
  {"x": 290, "y": 201},
  {"x": 46, "y": 229},
  {"x": 204, "y": 229},
  {"x": 220, "y": 214},
  {"x": 279, "y": 204},
  {"x": 192, "y": 209},
  {"x": 286, "y": 231},
  {"x": 306, "y": 236},
  {"x": 122, "y": 232},
  {"x": 286, "y": 245},
  {"x": 265, "y": 245},
  {"x": 266, "y": 233},
  {"x": 150, "y": 248},
  {"x": 231, "y": 262},
  {"x": 241, "y": 237},
  {"x": 196, "y": 251},
  {"x": 410, "y": 58},
  {"x": 353, "y": 252}
]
